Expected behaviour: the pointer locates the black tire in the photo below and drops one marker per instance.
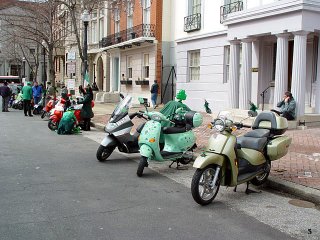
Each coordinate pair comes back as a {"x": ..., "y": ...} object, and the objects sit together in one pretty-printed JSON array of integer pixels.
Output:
[
  {"x": 262, "y": 178},
  {"x": 20, "y": 106},
  {"x": 52, "y": 125},
  {"x": 35, "y": 111},
  {"x": 43, "y": 114},
  {"x": 195, "y": 185},
  {"x": 142, "y": 164},
  {"x": 103, "y": 153}
]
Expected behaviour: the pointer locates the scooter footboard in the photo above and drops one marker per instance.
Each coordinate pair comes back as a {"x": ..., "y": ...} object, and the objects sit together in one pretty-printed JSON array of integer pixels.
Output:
[{"x": 207, "y": 158}]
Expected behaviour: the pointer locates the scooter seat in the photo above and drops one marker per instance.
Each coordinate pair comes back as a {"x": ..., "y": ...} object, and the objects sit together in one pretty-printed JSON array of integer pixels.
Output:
[
  {"x": 173, "y": 130},
  {"x": 252, "y": 142},
  {"x": 258, "y": 133}
]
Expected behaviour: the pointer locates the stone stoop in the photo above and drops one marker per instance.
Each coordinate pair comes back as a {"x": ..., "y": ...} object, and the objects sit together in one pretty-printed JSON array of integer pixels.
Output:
[
  {"x": 107, "y": 97},
  {"x": 310, "y": 120}
]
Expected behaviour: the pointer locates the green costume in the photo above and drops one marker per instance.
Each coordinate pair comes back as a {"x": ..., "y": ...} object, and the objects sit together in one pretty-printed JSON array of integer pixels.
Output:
[
  {"x": 170, "y": 108},
  {"x": 27, "y": 92},
  {"x": 67, "y": 123}
]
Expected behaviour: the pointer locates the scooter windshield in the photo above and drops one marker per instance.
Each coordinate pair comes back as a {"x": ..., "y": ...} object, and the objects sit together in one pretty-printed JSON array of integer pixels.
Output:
[{"x": 121, "y": 110}]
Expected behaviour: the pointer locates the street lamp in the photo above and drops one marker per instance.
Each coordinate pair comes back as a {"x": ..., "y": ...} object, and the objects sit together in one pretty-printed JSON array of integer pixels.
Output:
[
  {"x": 85, "y": 19},
  {"x": 24, "y": 67},
  {"x": 44, "y": 72}
]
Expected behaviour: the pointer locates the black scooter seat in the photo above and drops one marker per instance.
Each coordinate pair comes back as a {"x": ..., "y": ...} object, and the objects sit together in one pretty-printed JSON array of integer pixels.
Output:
[
  {"x": 258, "y": 133},
  {"x": 252, "y": 142},
  {"x": 173, "y": 130}
]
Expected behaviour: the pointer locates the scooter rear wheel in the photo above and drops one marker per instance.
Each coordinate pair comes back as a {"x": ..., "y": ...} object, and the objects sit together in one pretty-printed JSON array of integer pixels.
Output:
[
  {"x": 142, "y": 164},
  {"x": 103, "y": 153},
  {"x": 202, "y": 191},
  {"x": 262, "y": 178}
]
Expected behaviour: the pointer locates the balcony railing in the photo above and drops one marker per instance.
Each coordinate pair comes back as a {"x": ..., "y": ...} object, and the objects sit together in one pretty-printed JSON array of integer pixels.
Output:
[
  {"x": 142, "y": 30},
  {"x": 192, "y": 22},
  {"x": 230, "y": 8}
]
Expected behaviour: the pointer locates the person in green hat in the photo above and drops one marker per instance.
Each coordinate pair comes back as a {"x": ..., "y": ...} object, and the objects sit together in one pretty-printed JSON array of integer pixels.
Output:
[
  {"x": 27, "y": 97},
  {"x": 170, "y": 108}
]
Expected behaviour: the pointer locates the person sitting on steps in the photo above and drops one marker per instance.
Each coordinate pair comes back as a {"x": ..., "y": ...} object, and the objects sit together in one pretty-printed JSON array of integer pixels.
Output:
[{"x": 287, "y": 106}]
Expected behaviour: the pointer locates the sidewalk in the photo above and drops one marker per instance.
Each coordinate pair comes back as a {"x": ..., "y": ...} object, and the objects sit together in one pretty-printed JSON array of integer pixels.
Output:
[{"x": 297, "y": 173}]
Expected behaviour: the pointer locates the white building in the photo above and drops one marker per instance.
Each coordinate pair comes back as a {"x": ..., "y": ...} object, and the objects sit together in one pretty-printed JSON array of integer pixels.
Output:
[{"x": 229, "y": 52}]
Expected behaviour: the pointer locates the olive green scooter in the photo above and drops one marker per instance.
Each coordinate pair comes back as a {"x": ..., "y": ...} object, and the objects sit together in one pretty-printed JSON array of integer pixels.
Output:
[{"x": 229, "y": 160}]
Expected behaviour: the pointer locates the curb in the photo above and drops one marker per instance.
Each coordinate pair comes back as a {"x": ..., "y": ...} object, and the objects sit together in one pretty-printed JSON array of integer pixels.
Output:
[
  {"x": 281, "y": 185},
  {"x": 303, "y": 192}
]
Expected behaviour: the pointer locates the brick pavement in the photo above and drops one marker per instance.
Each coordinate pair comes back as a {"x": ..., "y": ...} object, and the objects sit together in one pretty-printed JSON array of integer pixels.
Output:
[{"x": 301, "y": 165}]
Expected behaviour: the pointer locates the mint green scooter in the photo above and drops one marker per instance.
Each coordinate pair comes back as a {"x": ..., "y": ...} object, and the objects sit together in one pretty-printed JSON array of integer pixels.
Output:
[{"x": 168, "y": 138}]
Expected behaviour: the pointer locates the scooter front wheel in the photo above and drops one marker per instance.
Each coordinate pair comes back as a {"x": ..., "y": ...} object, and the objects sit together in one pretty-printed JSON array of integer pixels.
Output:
[
  {"x": 142, "y": 164},
  {"x": 201, "y": 186},
  {"x": 52, "y": 125},
  {"x": 103, "y": 153}
]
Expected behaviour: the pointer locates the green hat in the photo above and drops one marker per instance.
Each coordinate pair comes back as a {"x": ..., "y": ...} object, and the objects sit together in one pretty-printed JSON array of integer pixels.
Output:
[
  {"x": 29, "y": 83},
  {"x": 181, "y": 95}
]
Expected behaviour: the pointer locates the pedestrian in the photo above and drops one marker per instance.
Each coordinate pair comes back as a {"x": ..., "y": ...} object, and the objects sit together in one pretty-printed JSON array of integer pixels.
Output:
[
  {"x": 5, "y": 92},
  {"x": 50, "y": 89},
  {"x": 36, "y": 92},
  {"x": 27, "y": 97},
  {"x": 86, "y": 111},
  {"x": 154, "y": 93},
  {"x": 287, "y": 107}
]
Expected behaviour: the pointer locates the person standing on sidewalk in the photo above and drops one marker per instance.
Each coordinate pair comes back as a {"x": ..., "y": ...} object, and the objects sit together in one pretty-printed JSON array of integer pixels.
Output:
[
  {"x": 154, "y": 93},
  {"x": 37, "y": 92},
  {"x": 27, "y": 97},
  {"x": 86, "y": 111},
  {"x": 5, "y": 92}
]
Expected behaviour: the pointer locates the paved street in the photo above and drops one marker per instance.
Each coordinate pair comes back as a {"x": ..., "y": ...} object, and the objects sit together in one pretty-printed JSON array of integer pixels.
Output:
[{"x": 52, "y": 187}]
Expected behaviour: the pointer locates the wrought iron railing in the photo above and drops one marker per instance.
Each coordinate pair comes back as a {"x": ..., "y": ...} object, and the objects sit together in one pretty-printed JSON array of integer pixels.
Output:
[
  {"x": 230, "y": 8},
  {"x": 192, "y": 22},
  {"x": 142, "y": 30}
]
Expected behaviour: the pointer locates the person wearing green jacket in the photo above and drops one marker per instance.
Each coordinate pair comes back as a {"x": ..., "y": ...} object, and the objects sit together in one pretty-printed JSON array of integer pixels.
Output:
[{"x": 27, "y": 97}]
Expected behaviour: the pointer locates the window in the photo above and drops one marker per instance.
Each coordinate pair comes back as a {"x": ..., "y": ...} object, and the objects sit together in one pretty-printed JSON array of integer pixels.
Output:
[
  {"x": 93, "y": 31},
  {"x": 226, "y": 64},
  {"x": 145, "y": 67},
  {"x": 146, "y": 11},
  {"x": 194, "y": 7},
  {"x": 129, "y": 67},
  {"x": 130, "y": 14},
  {"x": 32, "y": 51},
  {"x": 101, "y": 23},
  {"x": 194, "y": 65},
  {"x": 117, "y": 21}
]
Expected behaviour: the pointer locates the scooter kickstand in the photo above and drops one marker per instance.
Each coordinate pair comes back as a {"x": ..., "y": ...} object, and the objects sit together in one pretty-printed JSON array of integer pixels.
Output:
[
  {"x": 248, "y": 191},
  {"x": 172, "y": 163},
  {"x": 235, "y": 188}
]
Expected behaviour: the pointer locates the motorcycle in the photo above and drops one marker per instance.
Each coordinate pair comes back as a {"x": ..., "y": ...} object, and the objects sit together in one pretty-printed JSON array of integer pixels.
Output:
[
  {"x": 48, "y": 107},
  {"x": 38, "y": 108},
  {"x": 118, "y": 131},
  {"x": 56, "y": 114},
  {"x": 230, "y": 161},
  {"x": 168, "y": 139}
]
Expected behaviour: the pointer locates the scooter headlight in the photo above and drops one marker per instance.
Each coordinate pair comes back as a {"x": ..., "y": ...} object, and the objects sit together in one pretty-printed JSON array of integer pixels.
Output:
[
  {"x": 219, "y": 125},
  {"x": 110, "y": 126},
  {"x": 156, "y": 117}
]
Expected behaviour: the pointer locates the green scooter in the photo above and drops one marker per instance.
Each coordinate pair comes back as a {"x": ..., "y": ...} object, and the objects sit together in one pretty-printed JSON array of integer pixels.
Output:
[
  {"x": 230, "y": 161},
  {"x": 166, "y": 138}
]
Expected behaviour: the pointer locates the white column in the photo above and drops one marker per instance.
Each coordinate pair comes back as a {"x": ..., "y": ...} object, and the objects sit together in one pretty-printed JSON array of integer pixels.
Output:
[
  {"x": 255, "y": 74},
  {"x": 245, "y": 80},
  {"x": 298, "y": 85},
  {"x": 317, "y": 92},
  {"x": 234, "y": 73},
  {"x": 281, "y": 78}
]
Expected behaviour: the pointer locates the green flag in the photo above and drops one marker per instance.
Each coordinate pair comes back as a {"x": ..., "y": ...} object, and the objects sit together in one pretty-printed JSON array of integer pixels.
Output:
[{"x": 86, "y": 79}]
